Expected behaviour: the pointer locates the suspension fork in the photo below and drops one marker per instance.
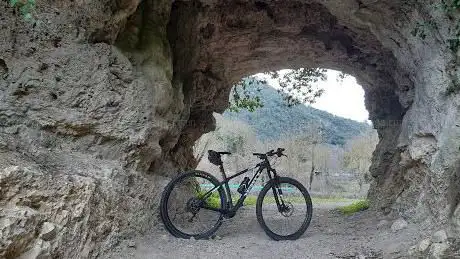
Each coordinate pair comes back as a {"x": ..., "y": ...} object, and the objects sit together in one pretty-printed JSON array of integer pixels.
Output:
[{"x": 277, "y": 192}]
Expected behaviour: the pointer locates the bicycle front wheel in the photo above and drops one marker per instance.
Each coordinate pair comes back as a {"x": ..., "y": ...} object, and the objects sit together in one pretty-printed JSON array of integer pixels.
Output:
[
  {"x": 188, "y": 208},
  {"x": 284, "y": 209}
]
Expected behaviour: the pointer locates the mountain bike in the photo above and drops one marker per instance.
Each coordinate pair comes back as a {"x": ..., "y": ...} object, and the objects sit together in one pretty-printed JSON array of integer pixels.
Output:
[{"x": 195, "y": 203}]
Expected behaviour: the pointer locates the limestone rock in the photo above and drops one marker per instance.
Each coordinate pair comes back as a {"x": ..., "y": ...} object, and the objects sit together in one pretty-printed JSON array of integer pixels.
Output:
[
  {"x": 40, "y": 203},
  {"x": 382, "y": 223},
  {"x": 95, "y": 115},
  {"x": 17, "y": 226},
  {"x": 39, "y": 250},
  {"x": 413, "y": 251},
  {"x": 424, "y": 245},
  {"x": 456, "y": 217},
  {"x": 437, "y": 250},
  {"x": 439, "y": 236},
  {"x": 398, "y": 225},
  {"x": 131, "y": 244},
  {"x": 48, "y": 231}
]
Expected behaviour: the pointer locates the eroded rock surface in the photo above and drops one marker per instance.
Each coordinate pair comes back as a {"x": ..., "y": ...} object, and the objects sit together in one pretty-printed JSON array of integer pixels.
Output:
[{"x": 100, "y": 99}]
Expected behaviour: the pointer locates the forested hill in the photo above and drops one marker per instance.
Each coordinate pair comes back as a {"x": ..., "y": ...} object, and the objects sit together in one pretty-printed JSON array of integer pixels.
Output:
[{"x": 276, "y": 120}]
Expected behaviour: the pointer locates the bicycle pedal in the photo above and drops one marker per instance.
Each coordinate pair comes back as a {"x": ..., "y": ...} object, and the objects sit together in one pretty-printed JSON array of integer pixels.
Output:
[{"x": 226, "y": 219}]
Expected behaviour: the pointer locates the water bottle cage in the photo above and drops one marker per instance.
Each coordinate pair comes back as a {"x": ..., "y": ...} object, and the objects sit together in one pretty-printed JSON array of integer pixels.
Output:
[{"x": 244, "y": 185}]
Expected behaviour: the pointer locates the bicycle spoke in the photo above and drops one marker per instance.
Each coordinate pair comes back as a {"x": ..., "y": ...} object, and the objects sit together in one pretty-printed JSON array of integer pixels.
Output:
[
  {"x": 293, "y": 215},
  {"x": 192, "y": 205},
  {"x": 186, "y": 206}
]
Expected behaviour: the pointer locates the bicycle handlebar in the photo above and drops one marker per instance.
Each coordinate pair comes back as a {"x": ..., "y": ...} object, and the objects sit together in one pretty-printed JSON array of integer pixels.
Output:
[{"x": 278, "y": 152}]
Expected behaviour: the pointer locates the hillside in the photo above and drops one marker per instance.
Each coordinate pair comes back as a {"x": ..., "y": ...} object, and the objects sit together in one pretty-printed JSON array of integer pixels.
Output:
[{"x": 275, "y": 120}]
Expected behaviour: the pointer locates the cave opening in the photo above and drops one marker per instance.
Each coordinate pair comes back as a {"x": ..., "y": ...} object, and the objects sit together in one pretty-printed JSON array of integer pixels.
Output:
[
  {"x": 101, "y": 103},
  {"x": 243, "y": 43},
  {"x": 317, "y": 115}
]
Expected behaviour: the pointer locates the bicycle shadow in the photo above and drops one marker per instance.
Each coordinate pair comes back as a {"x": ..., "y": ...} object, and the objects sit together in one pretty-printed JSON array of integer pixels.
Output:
[{"x": 245, "y": 225}]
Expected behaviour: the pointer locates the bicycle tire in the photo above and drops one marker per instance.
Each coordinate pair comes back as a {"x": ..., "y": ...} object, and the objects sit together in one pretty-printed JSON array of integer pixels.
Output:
[
  {"x": 165, "y": 217},
  {"x": 309, "y": 208}
]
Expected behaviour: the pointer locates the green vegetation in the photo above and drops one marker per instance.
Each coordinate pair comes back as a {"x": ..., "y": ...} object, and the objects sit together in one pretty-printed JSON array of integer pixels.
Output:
[
  {"x": 355, "y": 207},
  {"x": 322, "y": 200},
  {"x": 251, "y": 200},
  {"x": 243, "y": 98},
  {"x": 450, "y": 6},
  {"x": 25, "y": 7},
  {"x": 453, "y": 88},
  {"x": 213, "y": 201},
  {"x": 276, "y": 120},
  {"x": 421, "y": 29},
  {"x": 297, "y": 86}
]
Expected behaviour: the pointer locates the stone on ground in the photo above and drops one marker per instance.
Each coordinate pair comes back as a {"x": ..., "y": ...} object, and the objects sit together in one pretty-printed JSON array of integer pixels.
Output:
[
  {"x": 48, "y": 231},
  {"x": 424, "y": 245},
  {"x": 437, "y": 250},
  {"x": 440, "y": 236},
  {"x": 398, "y": 225}
]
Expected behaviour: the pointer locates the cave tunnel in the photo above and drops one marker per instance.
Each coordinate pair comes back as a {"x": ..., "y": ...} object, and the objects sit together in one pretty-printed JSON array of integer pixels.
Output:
[{"x": 102, "y": 101}]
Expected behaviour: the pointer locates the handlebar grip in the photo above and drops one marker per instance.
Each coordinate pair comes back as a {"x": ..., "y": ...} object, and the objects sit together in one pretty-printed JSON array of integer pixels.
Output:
[{"x": 279, "y": 152}]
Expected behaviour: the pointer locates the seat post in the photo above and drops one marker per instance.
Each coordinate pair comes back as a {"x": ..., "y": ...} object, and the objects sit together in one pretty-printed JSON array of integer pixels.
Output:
[{"x": 221, "y": 168}]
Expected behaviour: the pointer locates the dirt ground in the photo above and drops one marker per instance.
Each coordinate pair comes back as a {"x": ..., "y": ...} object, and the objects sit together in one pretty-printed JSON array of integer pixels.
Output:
[{"x": 330, "y": 235}]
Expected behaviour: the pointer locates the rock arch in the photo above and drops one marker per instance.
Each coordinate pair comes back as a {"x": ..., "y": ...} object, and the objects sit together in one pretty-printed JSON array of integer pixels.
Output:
[{"x": 100, "y": 101}]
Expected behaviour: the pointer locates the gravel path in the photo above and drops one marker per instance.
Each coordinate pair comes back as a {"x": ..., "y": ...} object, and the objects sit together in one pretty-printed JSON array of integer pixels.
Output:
[{"x": 330, "y": 235}]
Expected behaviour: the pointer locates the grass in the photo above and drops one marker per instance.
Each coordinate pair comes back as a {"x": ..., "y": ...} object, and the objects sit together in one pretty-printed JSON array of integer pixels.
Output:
[
  {"x": 330, "y": 199},
  {"x": 213, "y": 201},
  {"x": 356, "y": 206},
  {"x": 251, "y": 200}
]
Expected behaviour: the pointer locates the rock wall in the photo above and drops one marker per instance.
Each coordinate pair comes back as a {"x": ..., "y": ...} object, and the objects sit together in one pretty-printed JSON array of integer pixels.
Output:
[
  {"x": 400, "y": 51},
  {"x": 100, "y": 100},
  {"x": 81, "y": 123}
]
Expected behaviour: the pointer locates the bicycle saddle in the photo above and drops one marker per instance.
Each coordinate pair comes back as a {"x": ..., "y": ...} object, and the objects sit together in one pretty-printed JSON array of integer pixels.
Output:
[{"x": 215, "y": 157}]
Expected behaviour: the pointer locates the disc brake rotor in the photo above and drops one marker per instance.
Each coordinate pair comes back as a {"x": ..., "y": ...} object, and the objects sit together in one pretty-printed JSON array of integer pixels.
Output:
[
  {"x": 288, "y": 210},
  {"x": 194, "y": 205}
]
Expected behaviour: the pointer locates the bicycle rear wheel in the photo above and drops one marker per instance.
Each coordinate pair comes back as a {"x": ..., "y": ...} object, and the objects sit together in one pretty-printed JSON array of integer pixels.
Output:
[
  {"x": 291, "y": 218},
  {"x": 185, "y": 211}
]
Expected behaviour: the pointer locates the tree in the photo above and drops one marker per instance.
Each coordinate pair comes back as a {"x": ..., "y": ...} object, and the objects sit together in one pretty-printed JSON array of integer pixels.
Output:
[
  {"x": 233, "y": 136},
  {"x": 202, "y": 144},
  {"x": 358, "y": 155},
  {"x": 297, "y": 86},
  {"x": 316, "y": 137}
]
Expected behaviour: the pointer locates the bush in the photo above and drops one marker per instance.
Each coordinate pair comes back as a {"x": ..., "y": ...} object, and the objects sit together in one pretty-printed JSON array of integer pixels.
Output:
[
  {"x": 355, "y": 207},
  {"x": 25, "y": 7},
  {"x": 250, "y": 201},
  {"x": 212, "y": 201}
]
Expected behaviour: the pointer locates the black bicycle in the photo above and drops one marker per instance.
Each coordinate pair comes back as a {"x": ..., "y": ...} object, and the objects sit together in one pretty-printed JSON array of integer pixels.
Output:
[{"x": 195, "y": 203}]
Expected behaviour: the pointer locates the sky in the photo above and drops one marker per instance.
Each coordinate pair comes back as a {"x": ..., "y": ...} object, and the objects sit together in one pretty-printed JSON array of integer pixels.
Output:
[{"x": 344, "y": 99}]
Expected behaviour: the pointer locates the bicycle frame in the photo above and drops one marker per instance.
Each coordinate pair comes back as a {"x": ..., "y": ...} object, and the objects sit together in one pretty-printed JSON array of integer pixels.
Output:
[{"x": 231, "y": 209}]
